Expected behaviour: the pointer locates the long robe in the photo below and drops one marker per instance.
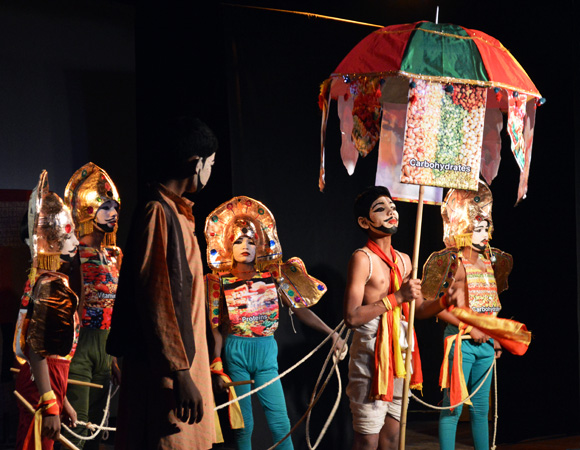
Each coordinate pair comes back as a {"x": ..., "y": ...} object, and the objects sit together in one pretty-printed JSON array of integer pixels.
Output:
[{"x": 157, "y": 333}]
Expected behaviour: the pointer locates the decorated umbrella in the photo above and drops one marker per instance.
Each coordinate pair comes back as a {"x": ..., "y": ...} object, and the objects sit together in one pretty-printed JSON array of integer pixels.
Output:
[
  {"x": 433, "y": 97},
  {"x": 435, "y": 93}
]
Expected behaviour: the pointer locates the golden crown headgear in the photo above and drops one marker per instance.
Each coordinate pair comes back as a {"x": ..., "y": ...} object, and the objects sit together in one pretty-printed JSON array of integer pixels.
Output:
[
  {"x": 241, "y": 216},
  {"x": 461, "y": 210},
  {"x": 90, "y": 187},
  {"x": 49, "y": 223}
]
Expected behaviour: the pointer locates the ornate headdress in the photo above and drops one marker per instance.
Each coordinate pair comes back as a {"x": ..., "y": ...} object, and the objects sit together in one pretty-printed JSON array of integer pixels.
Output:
[
  {"x": 241, "y": 216},
  {"x": 49, "y": 221},
  {"x": 461, "y": 210},
  {"x": 90, "y": 187}
]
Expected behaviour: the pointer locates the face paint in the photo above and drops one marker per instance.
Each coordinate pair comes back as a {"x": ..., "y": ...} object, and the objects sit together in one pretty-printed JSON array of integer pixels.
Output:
[
  {"x": 69, "y": 241},
  {"x": 205, "y": 171},
  {"x": 244, "y": 250},
  {"x": 202, "y": 173},
  {"x": 70, "y": 245},
  {"x": 383, "y": 216},
  {"x": 480, "y": 236},
  {"x": 107, "y": 215}
]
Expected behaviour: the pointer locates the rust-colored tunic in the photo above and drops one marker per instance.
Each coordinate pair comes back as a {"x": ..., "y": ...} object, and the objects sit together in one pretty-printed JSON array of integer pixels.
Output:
[{"x": 146, "y": 419}]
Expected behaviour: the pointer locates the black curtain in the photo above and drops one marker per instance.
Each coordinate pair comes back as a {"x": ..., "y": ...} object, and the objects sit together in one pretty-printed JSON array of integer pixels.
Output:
[{"x": 254, "y": 77}]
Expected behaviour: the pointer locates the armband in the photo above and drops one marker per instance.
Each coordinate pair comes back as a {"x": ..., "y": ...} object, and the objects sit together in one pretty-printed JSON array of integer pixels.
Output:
[
  {"x": 466, "y": 328},
  {"x": 48, "y": 404}
]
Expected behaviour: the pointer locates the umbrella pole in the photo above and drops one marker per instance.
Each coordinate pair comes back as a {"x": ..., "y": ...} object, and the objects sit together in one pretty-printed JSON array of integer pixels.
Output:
[{"x": 415, "y": 269}]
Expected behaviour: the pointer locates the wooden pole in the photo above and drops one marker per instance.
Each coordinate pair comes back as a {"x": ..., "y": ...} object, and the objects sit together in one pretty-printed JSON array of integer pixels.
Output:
[
  {"x": 31, "y": 410},
  {"x": 415, "y": 270},
  {"x": 75, "y": 382},
  {"x": 239, "y": 383}
]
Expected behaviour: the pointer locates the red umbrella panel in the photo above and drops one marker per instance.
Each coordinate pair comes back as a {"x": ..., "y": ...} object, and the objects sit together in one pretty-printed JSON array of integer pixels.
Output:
[{"x": 454, "y": 83}]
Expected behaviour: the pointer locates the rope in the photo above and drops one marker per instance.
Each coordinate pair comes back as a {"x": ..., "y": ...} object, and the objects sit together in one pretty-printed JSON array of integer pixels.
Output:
[
  {"x": 492, "y": 367},
  {"x": 102, "y": 427},
  {"x": 335, "y": 361},
  {"x": 495, "y": 412},
  {"x": 93, "y": 427},
  {"x": 462, "y": 401},
  {"x": 313, "y": 402},
  {"x": 283, "y": 374}
]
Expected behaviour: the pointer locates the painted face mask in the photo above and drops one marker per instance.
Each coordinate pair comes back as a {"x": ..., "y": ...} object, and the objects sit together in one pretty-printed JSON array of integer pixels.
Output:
[
  {"x": 461, "y": 211},
  {"x": 383, "y": 215},
  {"x": 480, "y": 236},
  {"x": 88, "y": 190},
  {"x": 205, "y": 171},
  {"x": 107, "y": 216},
  {"x": 244, "y": 250}
]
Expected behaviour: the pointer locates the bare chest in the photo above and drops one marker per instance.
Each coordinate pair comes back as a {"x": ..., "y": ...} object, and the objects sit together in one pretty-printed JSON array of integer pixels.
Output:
[{"x": 380, "y": 282}]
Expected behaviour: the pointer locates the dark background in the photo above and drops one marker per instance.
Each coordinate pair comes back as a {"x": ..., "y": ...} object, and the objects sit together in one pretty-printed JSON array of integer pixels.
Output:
[{"x": 89, "y": 80}]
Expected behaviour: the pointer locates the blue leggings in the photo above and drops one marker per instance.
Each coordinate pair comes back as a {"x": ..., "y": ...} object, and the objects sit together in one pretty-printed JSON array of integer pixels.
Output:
[
  {"x": 256, "y": 358},
  {"x": 477, "y": 359}
]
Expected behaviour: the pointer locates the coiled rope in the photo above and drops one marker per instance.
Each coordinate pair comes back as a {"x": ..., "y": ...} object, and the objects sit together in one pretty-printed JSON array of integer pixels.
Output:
[
  {"x": 93, "y": 428},
  {"x": 335, "y": 361},
  {"x": 315, "y": 396},
  {"x": 96, "y": 429},
  {"x": 283, "y": 374}
]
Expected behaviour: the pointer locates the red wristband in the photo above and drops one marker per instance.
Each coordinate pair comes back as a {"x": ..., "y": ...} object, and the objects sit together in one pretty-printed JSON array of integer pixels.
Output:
[{"x": 48, "y": 404}]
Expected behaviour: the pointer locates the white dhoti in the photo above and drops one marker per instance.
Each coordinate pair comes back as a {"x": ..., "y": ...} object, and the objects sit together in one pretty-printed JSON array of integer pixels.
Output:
[{"x": 368, "y": 416}]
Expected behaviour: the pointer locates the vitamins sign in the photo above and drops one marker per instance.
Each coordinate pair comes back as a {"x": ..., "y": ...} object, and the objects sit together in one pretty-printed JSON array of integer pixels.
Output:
[{"x": 443, "y": 136}]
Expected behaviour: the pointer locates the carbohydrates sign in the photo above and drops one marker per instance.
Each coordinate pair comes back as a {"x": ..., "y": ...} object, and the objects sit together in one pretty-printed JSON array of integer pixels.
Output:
[{"x": 443, "y": 135}]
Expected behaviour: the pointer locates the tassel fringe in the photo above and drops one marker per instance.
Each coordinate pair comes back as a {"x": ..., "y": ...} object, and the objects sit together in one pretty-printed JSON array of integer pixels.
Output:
[{"x": 49, "y": 261}]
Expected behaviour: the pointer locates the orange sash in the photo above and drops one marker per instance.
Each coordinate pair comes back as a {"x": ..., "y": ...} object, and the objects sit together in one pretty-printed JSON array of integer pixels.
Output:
[{"x": 388, "y": 356}]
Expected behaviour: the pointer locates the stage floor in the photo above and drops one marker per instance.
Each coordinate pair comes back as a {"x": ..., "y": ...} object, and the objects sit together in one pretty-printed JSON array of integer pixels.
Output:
[{"x": 422, "y": 435}]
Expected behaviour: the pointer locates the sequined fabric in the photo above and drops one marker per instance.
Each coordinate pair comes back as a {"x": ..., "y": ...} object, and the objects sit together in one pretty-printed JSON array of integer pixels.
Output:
[
  {"x": 481, "y": 288},
  {"x": 301, "y": 289},
  {"x": 100, "y": 269}
]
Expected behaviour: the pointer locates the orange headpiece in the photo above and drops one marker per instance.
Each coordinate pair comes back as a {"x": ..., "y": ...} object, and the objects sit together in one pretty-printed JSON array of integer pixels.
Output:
[
  {"x": 241, "y": 216},
  {"x": 461, "y": 210},
  {"x": 89, "y": 187},
  {"x": 49, "y": 223}
]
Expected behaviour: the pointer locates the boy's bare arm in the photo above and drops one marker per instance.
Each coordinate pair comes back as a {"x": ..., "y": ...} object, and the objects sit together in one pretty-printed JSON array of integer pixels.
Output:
[
  {"x": 428, "y": 308},
  {"x": 355, "y": 312}
]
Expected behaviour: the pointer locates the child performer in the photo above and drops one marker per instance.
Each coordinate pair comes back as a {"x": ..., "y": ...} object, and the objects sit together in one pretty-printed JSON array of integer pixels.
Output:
[
  {"x": 377, "y": 289},
  {"x": 46, "y": 328},
  {"x": 471, "y": 274},
  {"x": 244, "y": 252},
  {"x": 94, "y": 202}
]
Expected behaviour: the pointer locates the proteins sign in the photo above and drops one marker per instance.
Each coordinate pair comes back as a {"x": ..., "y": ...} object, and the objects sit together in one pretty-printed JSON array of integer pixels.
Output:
[{"x": 443, "y": 135}]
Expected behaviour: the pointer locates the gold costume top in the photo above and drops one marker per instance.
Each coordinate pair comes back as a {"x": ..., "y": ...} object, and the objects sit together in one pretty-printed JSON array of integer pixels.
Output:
[{"x": 440, "y": 269}]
